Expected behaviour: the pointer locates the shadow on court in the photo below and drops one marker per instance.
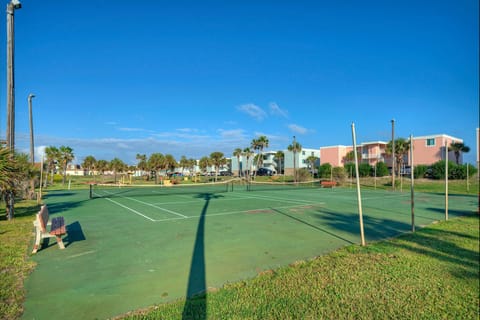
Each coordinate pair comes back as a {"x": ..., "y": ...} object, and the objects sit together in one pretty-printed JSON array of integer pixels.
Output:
[{"x": 196, "y": 301}]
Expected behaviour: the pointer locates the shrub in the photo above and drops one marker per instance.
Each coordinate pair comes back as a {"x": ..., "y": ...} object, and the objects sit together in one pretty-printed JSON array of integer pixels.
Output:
[
  {"x": 339, "y": 175},
  {"x": 382, "y": 169},
  {"x": 325, "y": 171},
  {"x": 420, "y": 171},
  {"x": 303, "y": 174},
  {"x": 364, "y": 169},
  {"x": 350, "y": 169}
]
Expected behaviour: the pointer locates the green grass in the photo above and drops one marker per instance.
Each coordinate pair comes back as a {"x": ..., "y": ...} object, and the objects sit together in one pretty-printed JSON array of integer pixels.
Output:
[
  {"x": 432, "y": 274},
  {"x": 15, "y": 265}
]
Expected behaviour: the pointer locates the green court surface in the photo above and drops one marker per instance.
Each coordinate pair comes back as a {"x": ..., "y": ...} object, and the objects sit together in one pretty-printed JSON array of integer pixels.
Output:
[{"x": 129, "y": 251}]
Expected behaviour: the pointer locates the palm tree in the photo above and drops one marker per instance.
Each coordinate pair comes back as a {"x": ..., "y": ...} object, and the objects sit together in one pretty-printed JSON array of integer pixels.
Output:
[
  {"x": 311, "y": 160},
  {"x": 142, "y": 162},
  {"x": 116, "y": 165},
  {"x": 295, "y": 147},
  {"x": 102, "y": 165},
  {"x": 183, "y": 163},
  {"x": 280, "y": 155},
  {"x": 52, "y": 154},
  {"x": 238, "y": 153},
  {"x": 170, "y": 163},
  {"x": 402, "y": 147},
  {"x": 204, "y": 163},
  {"x": 349, "y": 157},
  {"x": 156, "y": 162},
  {"x": 7, "y": 180},
  {"x": 191, "y": 166},
  {"x": 217, "y": 159},
  {"x": 247, "y": 153},
  {"x": 65, "y": 156},
  {"x": 89, "y": 163},
  {"x": 457, "y": 148},
  {"x": 259, "y": 144}
]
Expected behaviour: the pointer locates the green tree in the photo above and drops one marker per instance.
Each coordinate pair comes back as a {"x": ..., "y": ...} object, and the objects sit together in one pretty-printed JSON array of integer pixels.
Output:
[
  {"x": 295, "y": 148},
  {"x": 217, "y": 159},
  {"x": 280, "y": 155},
  {"x": 458, "y": 148},
  {"x": 7, "y": 180},
  {"x": 117, "y": 166},
  {"x": 183, "y": 163},
  {"x": 311, "y": 162},
  {"x": 90, "y": 163},
  {"x": 156, "y": 162},
  {"x": 170, "y": 163},
  {"x": 142, "y": 162},
  {"x": 52, "y": 154},
  {"x": 402, "y": 146},
  {"x": 238, "y": 153},
  {"x": 204, "y": 163},
  {"x": 247, "y": 153},
  {"x": 65, "y": 156},
  {"x": 325, "y": 171},
  {"x": 102, "y": 165},
  {"x": 259, "y": 144}
]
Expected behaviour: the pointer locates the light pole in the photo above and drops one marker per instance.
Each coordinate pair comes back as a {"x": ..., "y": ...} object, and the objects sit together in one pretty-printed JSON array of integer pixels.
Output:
[
  {"x": 14, "y": 4},
  {"x": 294, "y": 160},
  {"x": 32, "y": 155}
]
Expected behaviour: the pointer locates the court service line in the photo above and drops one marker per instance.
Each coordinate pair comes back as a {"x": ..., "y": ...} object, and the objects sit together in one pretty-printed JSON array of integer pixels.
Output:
[
  {"x": 239, "y": 211},
  {"x": 157, "y": 207},
  {"x": 130, "y": 209}
]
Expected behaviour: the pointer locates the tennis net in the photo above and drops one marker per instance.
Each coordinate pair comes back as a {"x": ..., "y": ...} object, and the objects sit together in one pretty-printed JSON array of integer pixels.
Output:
[
  {"x": 116, "y": 190},
  {"x": 258, "y": 186}
]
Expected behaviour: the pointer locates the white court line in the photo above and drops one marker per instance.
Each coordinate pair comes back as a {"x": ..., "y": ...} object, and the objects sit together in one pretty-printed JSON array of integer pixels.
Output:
[
  {"x": 130, "y": 209},
  {"x": 152, "y": 205},
  {"x": 239, "y": 211}
]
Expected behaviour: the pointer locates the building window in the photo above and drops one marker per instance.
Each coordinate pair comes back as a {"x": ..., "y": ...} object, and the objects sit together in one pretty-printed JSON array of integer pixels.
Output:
[{"x": 430, "y": 142}]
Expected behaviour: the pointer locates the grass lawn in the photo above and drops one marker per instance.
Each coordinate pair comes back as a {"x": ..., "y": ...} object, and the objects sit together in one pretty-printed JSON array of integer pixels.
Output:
[{"x": 432, "y": 274}]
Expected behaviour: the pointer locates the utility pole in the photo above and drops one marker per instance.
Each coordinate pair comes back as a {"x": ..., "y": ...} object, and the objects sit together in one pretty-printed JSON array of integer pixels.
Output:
[
  {"x": 393, "y": 154},
  {"x": 32, "y": 154},
  {"x": 10, "y": 135}
]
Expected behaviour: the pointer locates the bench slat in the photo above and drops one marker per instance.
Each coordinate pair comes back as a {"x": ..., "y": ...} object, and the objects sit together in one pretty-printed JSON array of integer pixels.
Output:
[{"x": 58, "y": 226}]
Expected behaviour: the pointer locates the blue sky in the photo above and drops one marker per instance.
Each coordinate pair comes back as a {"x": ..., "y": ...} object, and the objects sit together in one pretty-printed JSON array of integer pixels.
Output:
[{"x": 117, "y": 78}]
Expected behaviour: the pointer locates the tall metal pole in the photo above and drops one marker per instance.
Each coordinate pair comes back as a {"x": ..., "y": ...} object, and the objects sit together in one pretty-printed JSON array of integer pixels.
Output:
[
  {"x": 446, "y": 181},
  {"x": 32, "y": 154},
  {"x": 393, "y": 154},
  {"x": 412, "y": 193},
  {"x": 10, "y": 135},
  {"x": 294, "y": 160},
  {"x": 359, "y": 196}
]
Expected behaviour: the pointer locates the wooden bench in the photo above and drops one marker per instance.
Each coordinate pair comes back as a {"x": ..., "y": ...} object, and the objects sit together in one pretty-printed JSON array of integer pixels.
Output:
[
  {"x": 328, "y": 184},
  {"x": 57, "y": 228}
]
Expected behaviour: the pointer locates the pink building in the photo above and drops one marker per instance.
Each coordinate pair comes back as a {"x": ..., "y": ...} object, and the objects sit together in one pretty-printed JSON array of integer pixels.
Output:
[
  {"x": 430, "y": 149},
  {"x": 427, "y": 150}
]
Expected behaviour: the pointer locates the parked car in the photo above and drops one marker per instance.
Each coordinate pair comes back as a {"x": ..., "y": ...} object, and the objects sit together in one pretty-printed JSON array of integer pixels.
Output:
[
  {"x": 264, "y": 172},
  {"x": 225, "y": 173}
]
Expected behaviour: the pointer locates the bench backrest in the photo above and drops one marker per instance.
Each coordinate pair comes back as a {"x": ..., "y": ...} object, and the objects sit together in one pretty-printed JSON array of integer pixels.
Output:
[{"x": 42, "y": 218}]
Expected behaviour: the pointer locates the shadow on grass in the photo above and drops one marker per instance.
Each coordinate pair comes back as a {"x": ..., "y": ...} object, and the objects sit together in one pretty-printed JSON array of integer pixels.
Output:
[
  {"x": 196, "y": 301},
  {"x": 440, "y": 245}
]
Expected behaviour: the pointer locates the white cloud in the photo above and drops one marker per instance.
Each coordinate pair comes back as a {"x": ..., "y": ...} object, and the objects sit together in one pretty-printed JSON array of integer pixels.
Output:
[
  {"x": 253, "y": 110},
  {"x": 277, "y": 111},
  {"x": 297, "y": 129},
  {"x": 132, "y": 129}
]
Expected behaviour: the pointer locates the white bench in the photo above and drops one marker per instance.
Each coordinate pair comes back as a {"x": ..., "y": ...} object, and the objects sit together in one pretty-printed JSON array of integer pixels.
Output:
[{"x": 57, "y": 228}]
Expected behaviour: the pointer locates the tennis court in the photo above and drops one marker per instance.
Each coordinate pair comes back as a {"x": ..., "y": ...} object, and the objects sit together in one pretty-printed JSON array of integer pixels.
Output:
[{"x": 129, "y": 249}]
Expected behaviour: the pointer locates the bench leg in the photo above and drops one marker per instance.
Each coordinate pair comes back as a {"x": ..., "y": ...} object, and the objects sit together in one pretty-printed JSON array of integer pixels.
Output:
[
  {"x": 38, "y": 238},
  {"x": 60, "y": 242}
]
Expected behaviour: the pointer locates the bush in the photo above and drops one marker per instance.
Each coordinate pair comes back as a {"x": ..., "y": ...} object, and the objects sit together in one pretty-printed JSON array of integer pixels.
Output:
[
  {"x": 339, "y": 175},
  {"x": 455, "y": 172},
  {"x": 364, "y": 169},
  {"x": 325, "y": 171},
  {"x": 420, "y": 171},
  {"x": 350, "y": 169},
  {"x": 382, "y": 169},
  {"x": 303, "y": 175}
]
